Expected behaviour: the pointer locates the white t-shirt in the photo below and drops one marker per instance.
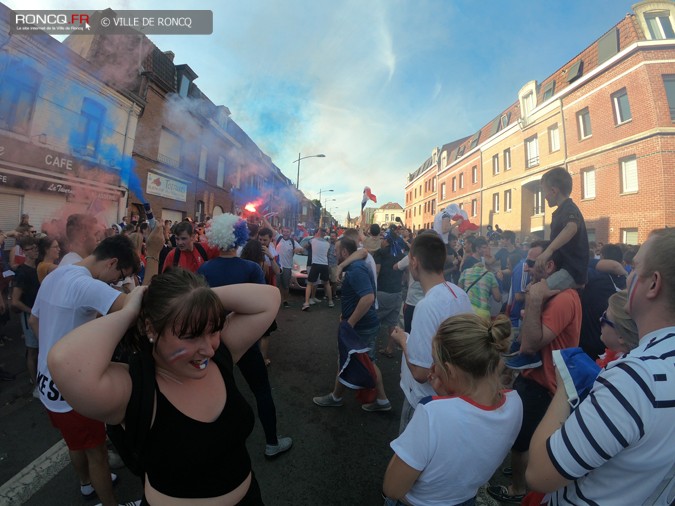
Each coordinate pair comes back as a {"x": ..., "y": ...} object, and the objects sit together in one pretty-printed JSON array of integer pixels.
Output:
[
  {"x": 415, "y": 292},
  {"x": 618, "y": 445},
  {"x": 458, "y": 445},
  {"x": 68, "y": 298},
  {"x": 70, "y": 259},
  {"x": 319, "y": 251},
  {"x": 441, "y": 302},
  {"x": 272, "y": 251},
  {"x": 285, "y": 248}
]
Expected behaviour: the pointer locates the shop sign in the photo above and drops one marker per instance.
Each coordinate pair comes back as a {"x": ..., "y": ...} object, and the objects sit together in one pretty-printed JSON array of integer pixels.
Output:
[{"x": 166, "y": 187}]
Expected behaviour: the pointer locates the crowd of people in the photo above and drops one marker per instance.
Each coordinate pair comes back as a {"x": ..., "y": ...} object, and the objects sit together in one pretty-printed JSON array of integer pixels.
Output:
[{"x": 557, "y": 352}]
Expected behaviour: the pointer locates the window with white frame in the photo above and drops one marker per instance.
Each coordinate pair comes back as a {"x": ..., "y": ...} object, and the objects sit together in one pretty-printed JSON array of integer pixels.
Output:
[
  {"x": 474, "y": 207},
  {"x": 629, "y": 236},
  {"x": 89, "y": 130},
  {"x": 433, "y": 208},
  {"x": 495, "y": 202},
  {"x": 495, "y": 165},
  {"x": 539, "y": 203},
  {"x": 454, "y": 184},
  {"x": 507, "y": 159},
  {"x": 169, "y": 148},
  {"x": 507, "y": 201},
  {"x": 461, "y": 180},
  {"x": 584, "y": 123},
  {"x": 553, "y": 138},
  {"x": 461, "y": 205},
  {"x": 433, "y": 185},
  {"x": 474, "y": 174},
  {"x": 629, "y": 175},
  {"x": 659, "y": 25},
  {"x": 442, "y": 191},
  {"x": 531, "y": 152},
  {"x": 202, "y": 163},
  {"x": 621, "y": 107},
  {"x": 588, "y": 183},
  {"x": 220, "y": 179}
]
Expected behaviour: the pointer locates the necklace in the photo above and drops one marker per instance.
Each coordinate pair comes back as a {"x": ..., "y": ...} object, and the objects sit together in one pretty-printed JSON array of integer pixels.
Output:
[{"x": 168, "y": 375}]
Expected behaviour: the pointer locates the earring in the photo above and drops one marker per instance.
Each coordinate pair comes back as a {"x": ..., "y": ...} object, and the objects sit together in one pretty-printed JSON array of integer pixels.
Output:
[{"x": 151, "y": 339}]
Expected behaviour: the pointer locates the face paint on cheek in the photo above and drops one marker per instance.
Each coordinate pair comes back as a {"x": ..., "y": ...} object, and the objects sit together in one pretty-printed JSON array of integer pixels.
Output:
[{"x": 177, "y": 354}]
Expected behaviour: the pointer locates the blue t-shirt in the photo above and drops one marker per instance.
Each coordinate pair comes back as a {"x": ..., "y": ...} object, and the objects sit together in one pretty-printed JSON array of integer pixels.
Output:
[
  {"x": 231, "y": 271},
  {"x": 358, "y": 282}
]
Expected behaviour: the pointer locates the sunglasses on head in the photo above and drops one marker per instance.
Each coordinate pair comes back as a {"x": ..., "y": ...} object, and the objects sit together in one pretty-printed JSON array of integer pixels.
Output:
[{"x": 604, "y": 320}]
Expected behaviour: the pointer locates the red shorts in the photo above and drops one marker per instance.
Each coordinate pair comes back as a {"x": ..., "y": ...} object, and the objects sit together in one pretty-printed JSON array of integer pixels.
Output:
[{"x": 79, "y": 432}]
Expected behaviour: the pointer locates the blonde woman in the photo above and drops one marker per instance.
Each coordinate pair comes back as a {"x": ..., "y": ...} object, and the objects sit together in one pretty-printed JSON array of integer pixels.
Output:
[
  {"x": 619, "y": 332},
  {"x": 456, "y": 440}
]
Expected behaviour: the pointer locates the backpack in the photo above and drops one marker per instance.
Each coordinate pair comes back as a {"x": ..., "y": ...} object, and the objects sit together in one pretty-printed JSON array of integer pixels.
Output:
[
  {"x": 129, "y": 439},
  {"x": 198, "y": 247}
]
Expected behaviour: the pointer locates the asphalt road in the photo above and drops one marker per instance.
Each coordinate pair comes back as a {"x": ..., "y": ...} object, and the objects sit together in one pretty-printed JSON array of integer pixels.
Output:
[{"x": 339, "y": 454}]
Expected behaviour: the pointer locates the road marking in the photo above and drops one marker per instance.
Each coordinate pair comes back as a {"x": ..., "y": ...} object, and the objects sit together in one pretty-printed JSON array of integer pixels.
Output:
[{"x": 18, "y": 489}]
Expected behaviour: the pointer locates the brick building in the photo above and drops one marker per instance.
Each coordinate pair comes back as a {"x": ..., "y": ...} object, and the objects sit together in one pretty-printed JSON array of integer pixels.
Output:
[
  {"x": 190, "y": 157},
  {"x": 65, "y": 135},
  {"x": 607, "y": 116}
]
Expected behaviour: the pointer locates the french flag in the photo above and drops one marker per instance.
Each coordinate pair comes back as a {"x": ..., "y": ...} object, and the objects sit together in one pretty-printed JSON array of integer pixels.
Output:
[{"x": 367, "y": 195}]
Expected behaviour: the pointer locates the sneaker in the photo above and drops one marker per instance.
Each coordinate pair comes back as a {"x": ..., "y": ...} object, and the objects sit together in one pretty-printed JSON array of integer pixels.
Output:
[
  {"x": 501, "y": 493},
  {"x": 376, "y": 406},
  {"x": 317, "y": 301},
  {"x": 331, "y": 304},
  {"x": 327, "y": 400},
  {"x": 283, "y": 445},
  {"x": 524, "y": 361},
  {"x": 285, "y": 303},
  {"x": 578, "y": 372},
  {"x": 312, "y": 302},
  {"x": 114, "y": 460},
  {"x": 88, "y": 491},
  {"x": 305, "y": 307}
]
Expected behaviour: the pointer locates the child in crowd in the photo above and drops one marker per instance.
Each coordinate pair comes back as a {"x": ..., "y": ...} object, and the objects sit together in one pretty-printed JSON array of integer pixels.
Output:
[{"x": 568, "y": 237}]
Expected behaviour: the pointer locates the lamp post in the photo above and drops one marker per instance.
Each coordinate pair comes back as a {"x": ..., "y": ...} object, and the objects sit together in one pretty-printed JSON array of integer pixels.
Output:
[
  {"x": 297, "y": 179},
  {"x": 320, "y": 204}
]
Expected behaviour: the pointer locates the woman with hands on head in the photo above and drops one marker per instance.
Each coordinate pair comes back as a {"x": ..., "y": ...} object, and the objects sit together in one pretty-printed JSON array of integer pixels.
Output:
[
  {"x": 456, "y": 440},
  {"x": 195, "y": 451}
]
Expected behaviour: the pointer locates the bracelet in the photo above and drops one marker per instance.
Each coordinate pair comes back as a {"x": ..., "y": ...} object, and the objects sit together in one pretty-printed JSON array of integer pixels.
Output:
[{"x": 152, "y": 258}]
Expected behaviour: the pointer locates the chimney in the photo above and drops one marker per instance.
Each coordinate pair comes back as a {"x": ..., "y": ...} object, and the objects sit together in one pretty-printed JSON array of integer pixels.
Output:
[{"x": 170, "y": 54}]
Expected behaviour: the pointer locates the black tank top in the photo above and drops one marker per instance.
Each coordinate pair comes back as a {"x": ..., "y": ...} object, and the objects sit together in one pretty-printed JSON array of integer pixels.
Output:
[{"x": 186, "y": 458}]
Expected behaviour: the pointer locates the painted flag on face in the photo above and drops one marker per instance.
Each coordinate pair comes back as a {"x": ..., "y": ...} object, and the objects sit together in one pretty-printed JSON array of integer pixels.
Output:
[{"x": 367, "y": 195}]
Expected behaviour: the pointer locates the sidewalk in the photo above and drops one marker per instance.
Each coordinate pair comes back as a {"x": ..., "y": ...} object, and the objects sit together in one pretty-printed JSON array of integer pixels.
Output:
[{"x": 13, "y": 362}]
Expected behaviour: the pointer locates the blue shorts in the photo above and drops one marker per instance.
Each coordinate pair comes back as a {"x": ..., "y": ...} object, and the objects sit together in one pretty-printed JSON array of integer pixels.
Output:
[{"x": 369, "y": 338}]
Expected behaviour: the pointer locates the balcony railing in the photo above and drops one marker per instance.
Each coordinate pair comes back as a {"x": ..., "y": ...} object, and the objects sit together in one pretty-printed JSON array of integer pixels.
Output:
[{"x": 168, "y": 160}]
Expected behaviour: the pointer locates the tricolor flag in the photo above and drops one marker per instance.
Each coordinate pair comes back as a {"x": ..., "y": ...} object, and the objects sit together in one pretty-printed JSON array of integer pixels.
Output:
[{"x": 367, "y": 195}]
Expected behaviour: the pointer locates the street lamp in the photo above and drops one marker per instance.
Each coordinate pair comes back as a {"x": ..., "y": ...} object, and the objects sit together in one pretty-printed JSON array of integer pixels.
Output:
[
  {"x": 297, "y": 180},
  {"x": 321, "y": 205}
]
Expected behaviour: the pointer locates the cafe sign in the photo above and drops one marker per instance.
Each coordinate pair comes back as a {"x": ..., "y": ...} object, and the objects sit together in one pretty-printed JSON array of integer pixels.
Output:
[{"x": 166, "y": 187}]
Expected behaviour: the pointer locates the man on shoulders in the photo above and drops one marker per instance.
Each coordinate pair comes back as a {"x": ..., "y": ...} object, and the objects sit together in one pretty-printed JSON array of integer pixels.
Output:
[{"x": 552, "y": 322}]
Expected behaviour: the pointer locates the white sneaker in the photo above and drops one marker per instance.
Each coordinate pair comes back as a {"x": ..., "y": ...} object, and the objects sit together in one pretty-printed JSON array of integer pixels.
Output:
[
  {"x": 315, "y": 300},
  {"x": 331, "y": 304},
  {"x": 88, "y": 491},
  {"x": 311, "y": 302}
]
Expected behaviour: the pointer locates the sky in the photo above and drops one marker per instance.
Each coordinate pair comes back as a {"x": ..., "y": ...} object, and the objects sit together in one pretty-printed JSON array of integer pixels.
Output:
[{"x": 374, "y": 85}]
